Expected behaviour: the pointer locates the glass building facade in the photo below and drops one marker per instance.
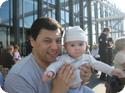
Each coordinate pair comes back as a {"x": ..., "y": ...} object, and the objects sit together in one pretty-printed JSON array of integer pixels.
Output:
[{"x": 16, "y": 17}]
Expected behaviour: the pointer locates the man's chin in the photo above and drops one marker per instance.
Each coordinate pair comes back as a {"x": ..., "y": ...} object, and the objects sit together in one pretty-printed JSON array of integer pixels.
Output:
[
  {"x": 51, "y": 60},
  {"x": 52, "y": 57}
]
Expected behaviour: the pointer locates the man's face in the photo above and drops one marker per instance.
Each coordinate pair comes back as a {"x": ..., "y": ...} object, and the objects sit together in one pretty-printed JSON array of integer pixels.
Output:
[
  {"x": 47, "y": 46},
  {"x": 107, "y": 32}
]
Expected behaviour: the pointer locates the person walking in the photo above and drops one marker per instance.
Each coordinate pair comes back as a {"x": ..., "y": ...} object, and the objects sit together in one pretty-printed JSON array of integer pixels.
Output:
[
  {"x": 16, "y": 53},
  {"x": 103, "y": 48}
]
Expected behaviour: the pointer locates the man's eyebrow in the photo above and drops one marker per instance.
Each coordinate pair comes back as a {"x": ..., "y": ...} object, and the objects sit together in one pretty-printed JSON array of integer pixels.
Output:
[
  {"x": 47, "y": 38},
  {"x": 51, "y": 38}
]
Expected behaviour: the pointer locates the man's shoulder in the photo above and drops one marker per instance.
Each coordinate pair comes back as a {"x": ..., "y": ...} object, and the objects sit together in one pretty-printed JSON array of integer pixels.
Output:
[
  {"x": 24, "y": 66},
  {"x": 26, "y": 70}
]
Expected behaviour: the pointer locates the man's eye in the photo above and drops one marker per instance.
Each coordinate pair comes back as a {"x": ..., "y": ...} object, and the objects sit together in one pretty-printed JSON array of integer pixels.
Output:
[
  {"x": 58, "y": 41},
  {"x": 47, "y": 41}
]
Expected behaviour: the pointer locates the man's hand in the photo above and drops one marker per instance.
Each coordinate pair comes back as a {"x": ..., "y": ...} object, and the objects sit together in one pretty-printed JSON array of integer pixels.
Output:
[
  {"x": 85, "y": 72},
  {"x": 62, "y": 82}
]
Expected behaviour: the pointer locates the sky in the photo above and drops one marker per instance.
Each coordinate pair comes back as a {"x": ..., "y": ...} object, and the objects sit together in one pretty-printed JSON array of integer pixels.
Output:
[{"x": 120, "y": 4}]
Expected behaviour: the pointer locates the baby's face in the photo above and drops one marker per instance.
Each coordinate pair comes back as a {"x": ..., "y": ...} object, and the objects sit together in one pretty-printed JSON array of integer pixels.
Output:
[{"x": 75, "y": 48}]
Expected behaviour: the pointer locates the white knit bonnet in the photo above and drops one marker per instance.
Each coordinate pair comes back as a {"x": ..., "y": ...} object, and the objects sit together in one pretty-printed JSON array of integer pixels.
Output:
[{"x": 75, "y": 33}]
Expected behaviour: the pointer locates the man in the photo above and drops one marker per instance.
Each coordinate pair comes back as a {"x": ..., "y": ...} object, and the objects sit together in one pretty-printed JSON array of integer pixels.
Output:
[
  {"x": 103, "y": 48},
  {"x": 26, "y": 76}
]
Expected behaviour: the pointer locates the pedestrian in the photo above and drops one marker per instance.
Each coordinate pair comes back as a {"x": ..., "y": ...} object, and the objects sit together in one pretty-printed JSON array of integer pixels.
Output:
[
  {"x": 8, "y": 59},
  {"x": 16, "y": 53},
  {"x": 103, "y": 48},
  {"x": 115, "y": 84},
  {"x": 25, "y": 77},
  {"x": 95, "y": 52},
  {"x": 75, "y": 43}
]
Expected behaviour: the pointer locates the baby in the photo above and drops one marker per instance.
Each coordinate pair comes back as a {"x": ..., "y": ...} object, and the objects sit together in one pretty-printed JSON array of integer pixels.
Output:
[{"x": 75, "y": 42}]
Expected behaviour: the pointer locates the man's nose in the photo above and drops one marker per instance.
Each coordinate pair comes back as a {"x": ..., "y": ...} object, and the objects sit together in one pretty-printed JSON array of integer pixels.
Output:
[{"x": 54, "y": 45}]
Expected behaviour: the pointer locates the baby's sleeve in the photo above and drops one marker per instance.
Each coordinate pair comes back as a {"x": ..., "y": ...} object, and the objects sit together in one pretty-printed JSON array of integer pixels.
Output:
[{"x": 54, "y": 67}]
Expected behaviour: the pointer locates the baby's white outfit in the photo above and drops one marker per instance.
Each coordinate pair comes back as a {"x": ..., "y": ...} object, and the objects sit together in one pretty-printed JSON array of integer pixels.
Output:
[{"x": 85, "y": 58}]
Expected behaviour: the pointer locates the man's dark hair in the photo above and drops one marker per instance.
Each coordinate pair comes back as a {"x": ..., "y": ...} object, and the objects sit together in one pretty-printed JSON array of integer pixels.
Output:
[{"x": 43, "y": 23}]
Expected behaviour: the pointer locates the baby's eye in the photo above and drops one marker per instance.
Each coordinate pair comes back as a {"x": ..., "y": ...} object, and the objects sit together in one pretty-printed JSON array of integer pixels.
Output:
[
  {"x": 81, "y": 44},
  {"x": 72, "y": 45}
]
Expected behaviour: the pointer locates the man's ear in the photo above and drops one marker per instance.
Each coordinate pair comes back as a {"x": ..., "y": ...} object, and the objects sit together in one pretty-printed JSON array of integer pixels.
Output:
[{"x": 32, "y": 41}]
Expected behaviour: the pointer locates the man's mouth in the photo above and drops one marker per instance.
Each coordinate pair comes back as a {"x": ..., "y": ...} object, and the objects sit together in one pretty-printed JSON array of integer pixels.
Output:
[{"x": 53, "y": 54}]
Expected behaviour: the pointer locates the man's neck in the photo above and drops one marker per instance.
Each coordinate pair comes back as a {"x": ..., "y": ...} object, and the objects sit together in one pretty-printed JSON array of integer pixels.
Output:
[{"x": 39, "y": 62}]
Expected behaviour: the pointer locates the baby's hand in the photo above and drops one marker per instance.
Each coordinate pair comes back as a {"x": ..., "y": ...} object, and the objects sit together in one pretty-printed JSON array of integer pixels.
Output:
[
  {"x": 119, "y": 73},
  {"x": 48, "y": 76}
]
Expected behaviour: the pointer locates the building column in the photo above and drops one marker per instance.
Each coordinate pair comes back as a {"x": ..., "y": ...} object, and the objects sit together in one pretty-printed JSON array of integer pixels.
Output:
[
  {"x": 96, "y": 22},
  {"x": 89, "y": 23},
  {"x": 58, "y": 11},
  {"x": 71, "y": 19},
  {"x": 81, "y": 13},
  {"x": 16, "y": 28},
  {"x": 40, "y": 8}
]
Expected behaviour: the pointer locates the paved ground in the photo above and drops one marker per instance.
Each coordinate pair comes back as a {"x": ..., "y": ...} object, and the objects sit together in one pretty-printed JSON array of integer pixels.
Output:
[{"x": 97, "y": 85}]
